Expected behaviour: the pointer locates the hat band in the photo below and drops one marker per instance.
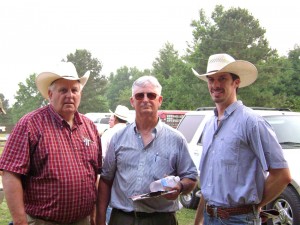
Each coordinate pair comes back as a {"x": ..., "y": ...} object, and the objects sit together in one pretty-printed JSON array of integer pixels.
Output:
[{"x": 212, "y": 71}]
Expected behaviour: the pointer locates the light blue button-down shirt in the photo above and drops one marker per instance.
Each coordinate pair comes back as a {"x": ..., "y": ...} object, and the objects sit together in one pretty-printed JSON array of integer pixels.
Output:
[
  {"x": 236, "y": 156},
  {"x": 134, "y": 166}
]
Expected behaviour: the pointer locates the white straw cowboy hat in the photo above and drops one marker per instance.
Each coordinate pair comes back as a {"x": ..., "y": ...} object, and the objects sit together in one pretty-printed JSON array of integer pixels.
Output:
[
  {"x": 64, "y": 70},
  {"x": 220, "y": 63},
  {"x": 122, "y": 112}
]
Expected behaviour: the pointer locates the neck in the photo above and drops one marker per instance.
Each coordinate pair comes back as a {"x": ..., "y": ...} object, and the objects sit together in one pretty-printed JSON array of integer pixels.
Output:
[
  {"x": 69, "y": 119},
  {"x": 146, "y": 124},
  {"x": 221, "y": 107}
]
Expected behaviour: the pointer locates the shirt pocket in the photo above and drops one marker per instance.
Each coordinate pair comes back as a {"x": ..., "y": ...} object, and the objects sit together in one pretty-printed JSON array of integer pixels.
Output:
[
  {"x": 91, "y": 153},
  {"x": 229, "y": 151},
  {"x": 228, "y": 161},
  {"x": 161, "y": 167}
]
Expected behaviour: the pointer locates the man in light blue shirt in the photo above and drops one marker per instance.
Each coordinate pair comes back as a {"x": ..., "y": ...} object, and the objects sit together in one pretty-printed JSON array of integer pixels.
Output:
[
  {"x": 242, "y": 166},
  {"x": 145, "y": 151}
]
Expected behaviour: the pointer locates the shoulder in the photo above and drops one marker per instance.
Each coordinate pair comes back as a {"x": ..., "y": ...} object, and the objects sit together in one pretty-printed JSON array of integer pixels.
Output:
[{"x": 35, "y": 116}]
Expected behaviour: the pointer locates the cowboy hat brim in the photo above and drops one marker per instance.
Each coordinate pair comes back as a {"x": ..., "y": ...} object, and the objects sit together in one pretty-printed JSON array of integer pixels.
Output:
[
  {"x": 45, "y": 79},
  {"x": 122, "y": 117},
  {"x": 246, "y": 71}
]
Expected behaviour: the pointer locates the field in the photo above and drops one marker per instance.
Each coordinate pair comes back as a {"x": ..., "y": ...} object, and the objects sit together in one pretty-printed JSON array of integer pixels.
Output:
[{"x": 185, "y": 216}]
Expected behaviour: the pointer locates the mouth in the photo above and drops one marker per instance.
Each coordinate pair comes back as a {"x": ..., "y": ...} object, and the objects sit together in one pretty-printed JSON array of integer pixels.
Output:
[{"x": 217, "y": 91}]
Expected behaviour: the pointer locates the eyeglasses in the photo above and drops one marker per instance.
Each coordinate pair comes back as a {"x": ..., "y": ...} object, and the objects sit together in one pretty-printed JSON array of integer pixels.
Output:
[{"x": 150, "y": 96}]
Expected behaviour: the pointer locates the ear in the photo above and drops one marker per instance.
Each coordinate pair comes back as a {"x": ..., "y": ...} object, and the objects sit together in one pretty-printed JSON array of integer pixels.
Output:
[
  {"x": 160, "y": 100},
  {"x": 237, "y": 82},
  {"x": 132, "y": 102},
  {"x": 49, "y": 94}
]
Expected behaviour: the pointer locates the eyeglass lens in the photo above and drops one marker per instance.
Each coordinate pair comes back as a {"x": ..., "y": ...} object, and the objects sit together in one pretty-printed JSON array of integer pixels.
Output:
[{"x": 150, "y": 96}]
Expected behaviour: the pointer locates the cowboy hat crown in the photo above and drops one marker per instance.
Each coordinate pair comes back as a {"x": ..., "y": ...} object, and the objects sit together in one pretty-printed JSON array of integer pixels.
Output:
[
  {"x": 122, "y": 112},
  {"x": 64, "y": 70}
]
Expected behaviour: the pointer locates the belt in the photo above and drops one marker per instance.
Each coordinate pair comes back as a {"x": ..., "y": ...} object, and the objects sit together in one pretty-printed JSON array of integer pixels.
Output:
[
  {"x": 46, "y": 219},
  {"x": 225, "y": 213},
  {"x": 140, "y": 214}
]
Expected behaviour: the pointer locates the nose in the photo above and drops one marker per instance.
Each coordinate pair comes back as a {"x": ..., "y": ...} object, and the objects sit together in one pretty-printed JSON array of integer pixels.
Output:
[
  {"x": 214, "y": 83},
  {"x": 69, "y": 93}
]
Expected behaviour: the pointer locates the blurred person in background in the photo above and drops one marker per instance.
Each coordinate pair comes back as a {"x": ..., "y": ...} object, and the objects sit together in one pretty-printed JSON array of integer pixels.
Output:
[{"x": 117, "y": 122}]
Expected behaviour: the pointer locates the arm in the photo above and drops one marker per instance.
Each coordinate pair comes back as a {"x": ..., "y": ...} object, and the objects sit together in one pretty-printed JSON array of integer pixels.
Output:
[
  {"x": 93, "y": 214},
  {"x": 275, "y": 183},
  {"x": 199, "y": 214},
  {"x": 14, "y": 196},
  {"x": 185, "y": 186},
  {"x": 104, "y": 190}
]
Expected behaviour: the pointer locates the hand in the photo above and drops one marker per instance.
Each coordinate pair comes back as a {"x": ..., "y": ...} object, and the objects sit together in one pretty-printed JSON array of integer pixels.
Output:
[{"x": 173, "y": 195}]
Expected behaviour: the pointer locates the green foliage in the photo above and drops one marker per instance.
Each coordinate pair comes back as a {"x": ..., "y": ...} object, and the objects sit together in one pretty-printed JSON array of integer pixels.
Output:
[
  {"x": 5, "y": 119},
  {"x": 234, "y": 31},
  {"x": 93, "y": 99},
  {"x": 119, "y": 86},
  {"x": 27, "y": 98},
  {"x": 180, "y": 86}
]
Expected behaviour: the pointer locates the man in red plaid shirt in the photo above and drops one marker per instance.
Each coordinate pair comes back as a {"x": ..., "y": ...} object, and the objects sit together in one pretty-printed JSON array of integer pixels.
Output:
[{"x": 53, "y": 155}]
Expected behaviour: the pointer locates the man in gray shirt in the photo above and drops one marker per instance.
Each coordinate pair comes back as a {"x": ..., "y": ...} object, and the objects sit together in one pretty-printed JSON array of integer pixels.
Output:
[{"x": 145, "y": 151}]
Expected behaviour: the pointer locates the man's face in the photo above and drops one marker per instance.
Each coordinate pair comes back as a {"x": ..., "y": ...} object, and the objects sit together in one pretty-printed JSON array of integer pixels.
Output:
[
  {"x": 65, "y": 96},
  {"x": 111, "y": 121},
  {"x": 222, "y": 88},
  {"x": 145, "y": 100}
]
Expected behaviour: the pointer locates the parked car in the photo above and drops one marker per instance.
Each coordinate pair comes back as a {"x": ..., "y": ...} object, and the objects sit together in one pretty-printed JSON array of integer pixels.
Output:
[
  {"x": 102, "y": 124},
  {"x": 287, "y": 128},
  {"x": 101, "y": 120},
  {"x": 2, "y": 129},
  {"x": 171, "y": 117}
]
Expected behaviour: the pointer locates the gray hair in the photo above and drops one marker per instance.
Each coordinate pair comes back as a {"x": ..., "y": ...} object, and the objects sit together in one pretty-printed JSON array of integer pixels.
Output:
[{"x": 145, "y": 80}]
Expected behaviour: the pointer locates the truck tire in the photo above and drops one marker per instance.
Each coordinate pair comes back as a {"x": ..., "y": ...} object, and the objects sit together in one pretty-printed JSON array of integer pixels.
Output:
[
  {"x": 288, "y": 205},
  {"x": 190, "y": 200}
]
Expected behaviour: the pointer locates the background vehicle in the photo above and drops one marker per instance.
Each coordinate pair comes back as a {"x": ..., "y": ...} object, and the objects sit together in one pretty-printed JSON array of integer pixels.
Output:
[
  {"x": 286, "y": 125},
  {"x": 171, "y": 117},
  {"x": 101, "y": 120},
  {"x": 2, "y": 129}
]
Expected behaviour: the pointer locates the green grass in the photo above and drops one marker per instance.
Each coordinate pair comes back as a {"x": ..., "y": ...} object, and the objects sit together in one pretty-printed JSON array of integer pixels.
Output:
[
  {"x": 186, "y": 216},
  {"x": 5, "y": 217}
]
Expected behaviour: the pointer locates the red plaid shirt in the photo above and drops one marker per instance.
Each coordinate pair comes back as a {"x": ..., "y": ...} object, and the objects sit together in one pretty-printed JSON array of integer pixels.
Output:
[{"x": 59, "y": 165}]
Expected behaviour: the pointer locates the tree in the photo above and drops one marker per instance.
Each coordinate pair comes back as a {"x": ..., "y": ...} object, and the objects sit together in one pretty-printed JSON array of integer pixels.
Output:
[
  {"x": 5, "y": 119},
  {"x": 27, "y": 99},
  {"x": 119, "y": 87},
  {"x": 180, "y": 87},
  {"x": 93, "y": 96},
  {"x": 237, "y": 33}
]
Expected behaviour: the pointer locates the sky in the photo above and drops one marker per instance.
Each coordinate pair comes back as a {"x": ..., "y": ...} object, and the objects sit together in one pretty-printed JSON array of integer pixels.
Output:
[{"x": 37, "y": 33}]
